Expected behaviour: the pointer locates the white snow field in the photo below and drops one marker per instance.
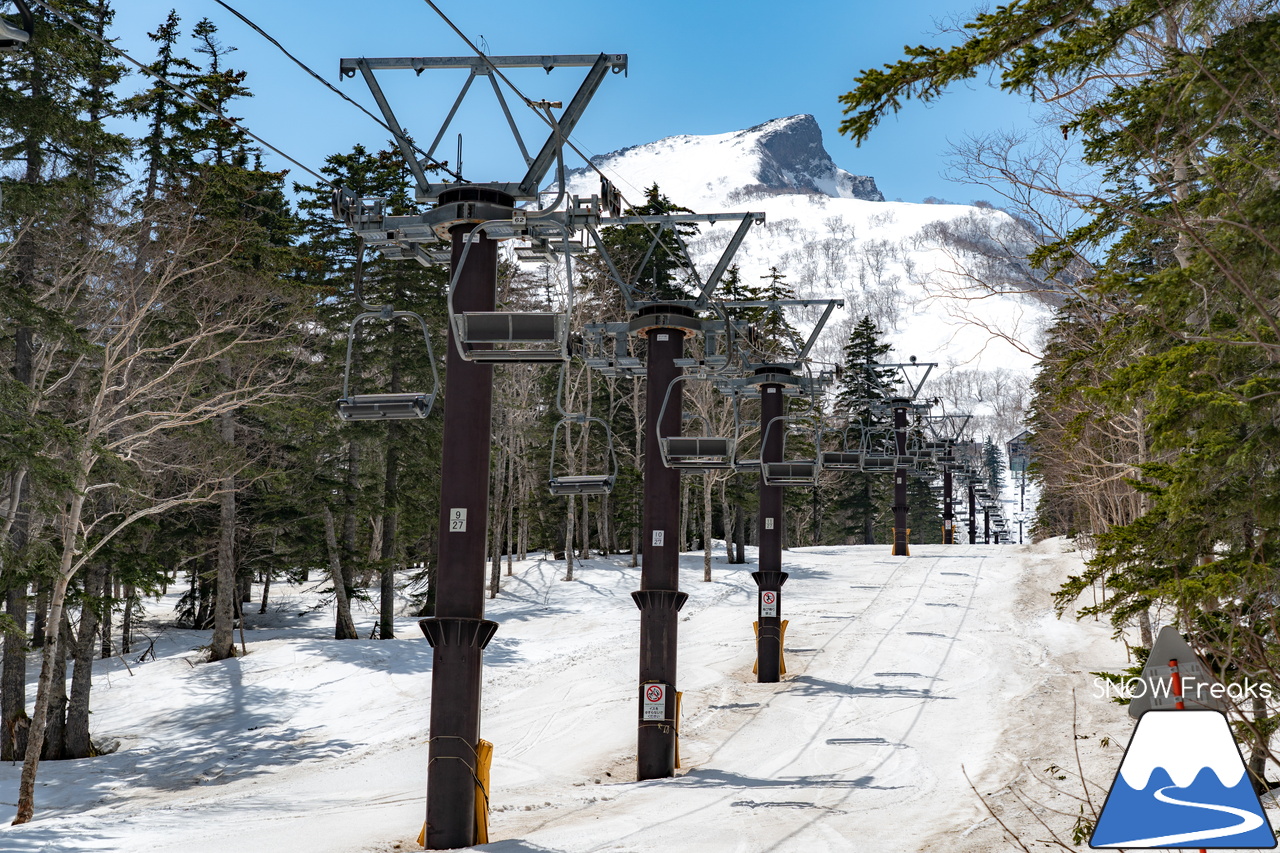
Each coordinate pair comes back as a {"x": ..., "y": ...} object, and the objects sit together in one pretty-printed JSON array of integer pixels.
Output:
[{"x": 904, "y": 675}]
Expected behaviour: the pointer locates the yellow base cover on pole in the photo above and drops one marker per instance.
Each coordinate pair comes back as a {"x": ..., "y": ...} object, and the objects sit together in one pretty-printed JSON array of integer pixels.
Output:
[
  {"x": 484, "y": 758},
  {"x": 782, "y": 642},
  {"x": 679, "y": 696}
]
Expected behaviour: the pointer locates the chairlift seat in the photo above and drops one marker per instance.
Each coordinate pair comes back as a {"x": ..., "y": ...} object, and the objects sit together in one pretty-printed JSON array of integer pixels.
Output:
[
  {"x": 842, "y": 460},
  {"x": 506, "y": 330},
  {"x": 385, "y": 407},
  {"x": 789, "y": 473},
  {"x": 700, "y": 452},
  {"x": 879, "y": 462},
  {"x": 585, "y": 484}
]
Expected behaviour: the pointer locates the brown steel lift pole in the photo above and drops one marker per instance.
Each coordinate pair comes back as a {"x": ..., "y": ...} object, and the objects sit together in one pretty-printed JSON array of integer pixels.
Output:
[
  {"x": 900, "y": 507},
  {"x": 770, "y": 577},
  {"x": 459, "y": 632},
  {"x": 973, "y": 514},
  {"x": 659, "y": 597},
  {"x": 948, "y": 509}
]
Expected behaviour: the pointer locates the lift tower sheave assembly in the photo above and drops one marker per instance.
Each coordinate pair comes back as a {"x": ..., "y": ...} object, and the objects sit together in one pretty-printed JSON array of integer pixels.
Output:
[{"x": 463, "y": 229}]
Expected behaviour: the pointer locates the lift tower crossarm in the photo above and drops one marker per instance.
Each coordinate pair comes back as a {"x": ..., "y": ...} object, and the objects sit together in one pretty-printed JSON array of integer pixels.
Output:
[
  {"x": 482, "y": 64},
  {"x": 527, "y": 189}
]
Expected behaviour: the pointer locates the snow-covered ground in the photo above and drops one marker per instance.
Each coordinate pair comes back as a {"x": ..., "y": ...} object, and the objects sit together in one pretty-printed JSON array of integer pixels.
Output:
[{"x": 909, "y": 680}]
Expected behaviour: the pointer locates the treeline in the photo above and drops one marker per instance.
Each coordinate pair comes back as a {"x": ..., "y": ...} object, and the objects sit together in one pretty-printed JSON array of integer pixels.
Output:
[
  {"x": 176, "y": 319},
  {"x": 1156, "y": 409}
]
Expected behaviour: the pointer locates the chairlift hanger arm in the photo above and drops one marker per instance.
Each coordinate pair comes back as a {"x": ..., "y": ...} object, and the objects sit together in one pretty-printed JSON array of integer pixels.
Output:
[
  {"x": 402, "y": 139},
  {"x": 726, "y": 256},
  {"x": 569, "y": 119}
]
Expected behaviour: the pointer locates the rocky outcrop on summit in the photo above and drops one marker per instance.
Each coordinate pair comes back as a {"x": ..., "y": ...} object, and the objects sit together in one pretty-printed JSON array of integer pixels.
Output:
[
  {"x": 784, "y": 156},
  {"x": 793, "y": 159}
]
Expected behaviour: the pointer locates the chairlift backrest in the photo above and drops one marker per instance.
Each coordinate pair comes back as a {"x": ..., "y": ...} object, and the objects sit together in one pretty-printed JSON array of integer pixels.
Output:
[
  {"x": 695, "y": 453},
  {"x": 384, "y": 406},
  {"x": 511, "y": 337},
  {"x": 582, "y": 484},
  {"x": 790, "y": 472}
]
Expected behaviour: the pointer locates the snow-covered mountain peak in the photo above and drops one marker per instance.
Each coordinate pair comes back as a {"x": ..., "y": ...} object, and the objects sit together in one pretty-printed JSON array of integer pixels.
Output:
[{"x": 781, "y": 156}]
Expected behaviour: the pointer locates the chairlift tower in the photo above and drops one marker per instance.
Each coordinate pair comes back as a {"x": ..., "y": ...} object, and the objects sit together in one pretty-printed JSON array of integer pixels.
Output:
[
  {"x": 663, "y": 325},
  {"x": 464, "y": 228},
  {"x": 901, "y": 399},
  {"x": 774, "y": 381}
]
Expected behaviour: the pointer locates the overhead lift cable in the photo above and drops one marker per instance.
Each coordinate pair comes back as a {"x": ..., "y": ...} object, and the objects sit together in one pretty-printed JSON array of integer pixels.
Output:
[
  {"x": 181, "y": 91},
  {"x": 332, "y": 88}
]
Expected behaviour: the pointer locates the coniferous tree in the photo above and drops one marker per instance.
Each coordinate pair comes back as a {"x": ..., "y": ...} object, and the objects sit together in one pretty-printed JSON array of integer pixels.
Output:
[{"x": 864, "y": 498}]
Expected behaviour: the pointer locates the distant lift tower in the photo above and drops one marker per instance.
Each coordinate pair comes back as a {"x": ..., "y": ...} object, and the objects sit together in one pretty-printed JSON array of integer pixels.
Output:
[{"x": 463, "y": 230}]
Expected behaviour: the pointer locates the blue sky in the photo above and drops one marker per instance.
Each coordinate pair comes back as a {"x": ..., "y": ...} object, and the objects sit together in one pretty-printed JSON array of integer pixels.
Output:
[{"x": 696, "y": 67}]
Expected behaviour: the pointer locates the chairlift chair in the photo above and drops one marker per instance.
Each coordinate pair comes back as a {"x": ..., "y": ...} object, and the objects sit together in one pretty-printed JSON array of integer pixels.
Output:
[
  {"x": 582, "y": 484},
  {"x": 788, "y": 472},
  {"x": 15, "y": 38},
  {"x": 511, "y": 337},
  {"x": 849, "y": 457},
  {"x": 386, "y": 406},
  {"x": 695, "y": 452}
]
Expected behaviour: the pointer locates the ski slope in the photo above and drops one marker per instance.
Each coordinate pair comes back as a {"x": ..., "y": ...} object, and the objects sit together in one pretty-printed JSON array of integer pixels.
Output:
[{"x": 904, "y": 675}]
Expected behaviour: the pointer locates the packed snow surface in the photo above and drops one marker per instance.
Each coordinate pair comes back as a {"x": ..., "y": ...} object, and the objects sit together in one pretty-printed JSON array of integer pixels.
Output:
[{"x": 912, "y": 683}]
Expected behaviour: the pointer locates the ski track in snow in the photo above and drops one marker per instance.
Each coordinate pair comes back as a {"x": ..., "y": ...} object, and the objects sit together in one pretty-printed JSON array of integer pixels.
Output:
[{"x": 889, "y": 703}]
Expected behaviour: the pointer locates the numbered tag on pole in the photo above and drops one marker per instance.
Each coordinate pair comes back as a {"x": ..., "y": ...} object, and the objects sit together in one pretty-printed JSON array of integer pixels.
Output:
[
  {"x": 458, "y": 520},
  {"x": 659, "y": 538}
]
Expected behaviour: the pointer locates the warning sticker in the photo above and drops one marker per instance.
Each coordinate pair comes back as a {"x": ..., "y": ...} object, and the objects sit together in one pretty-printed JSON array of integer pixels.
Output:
[
  {"x": 654, "y": 704},
  {"x": 769, "y": 603}
]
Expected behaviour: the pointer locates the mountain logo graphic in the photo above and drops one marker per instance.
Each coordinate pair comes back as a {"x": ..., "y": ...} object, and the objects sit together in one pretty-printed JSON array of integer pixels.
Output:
[{"x": 1182, "y": 783}]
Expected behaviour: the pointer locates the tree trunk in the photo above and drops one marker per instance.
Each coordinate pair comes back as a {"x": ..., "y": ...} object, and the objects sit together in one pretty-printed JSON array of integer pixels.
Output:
[
  {"x": 349, "y": 516},
  {"x": 266, "y": 590},
  {"x": 708, "y": 486},
  {"x": 222, "y": 645},
  {"x": 55, "y": 735},
  {"x": 13, "y": 680},
  {"x": 41, "y": 628},
  {"x": 13, "y": 676},
  {"x": 345, "y": 627},
  {"x": 740, "y": 536},
  {"x": 126, "y": 619},
  {"x": 108, "y": 648},
  {"x": 390, "y": 520},
  {"x": 568, "y": 539},
  {"x": 40, "y": 717},
  {"x": 1144, "y": 628},
  {"x": 1261, "y": 744},
  {"x": 97, "y": 584}
]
